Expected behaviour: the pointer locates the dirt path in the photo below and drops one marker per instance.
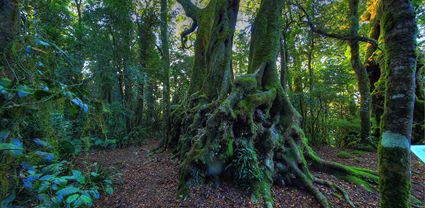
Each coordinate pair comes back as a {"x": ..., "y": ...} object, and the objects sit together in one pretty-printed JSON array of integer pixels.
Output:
[{"x": 152, "y": 181}]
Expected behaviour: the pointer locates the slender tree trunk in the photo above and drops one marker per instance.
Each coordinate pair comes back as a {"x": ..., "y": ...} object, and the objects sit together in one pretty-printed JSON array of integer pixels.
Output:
[
  {"x": 372, "y": 66},
  {"x": 283, "y": 61},
  {"x": 8, "y": 27},
  {"x": 399, "y": 32},
  {"x": 140, "y": 108},
  {"x": 147, "y": 40},
  {"x": 149, "y": 102},
  {"x": 362, "y": 78},
  {"x": 166, "y": 68},
  {"x": 310, "y": 56}
]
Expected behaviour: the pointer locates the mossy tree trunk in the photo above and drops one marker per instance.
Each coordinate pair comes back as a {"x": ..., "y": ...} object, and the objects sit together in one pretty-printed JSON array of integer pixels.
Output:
[
  {"x": 371, "y": 64},
  {"x": 284, "y": 74},
  {"x": 361, "y": 73},
  {"x": 252, "y": 135},
  {"x": 399, "y": 32},
  {"x": 212, "y": 72}
]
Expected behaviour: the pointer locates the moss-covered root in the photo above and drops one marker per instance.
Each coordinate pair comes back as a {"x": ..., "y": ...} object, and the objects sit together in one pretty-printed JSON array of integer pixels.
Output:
[
  {"x": 335, "y": 188},
  {"x": 366, "y": 178},
  {"x": 308, "y": 183}
]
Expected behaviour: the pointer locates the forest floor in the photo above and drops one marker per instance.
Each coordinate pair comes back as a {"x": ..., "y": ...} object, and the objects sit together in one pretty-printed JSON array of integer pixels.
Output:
[{"x": 152, "y": 181}]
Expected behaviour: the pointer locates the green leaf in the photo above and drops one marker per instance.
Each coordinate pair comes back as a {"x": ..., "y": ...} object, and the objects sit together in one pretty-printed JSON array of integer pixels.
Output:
[
  {"x": 43, "y": 187},
  {"x": 24, "y": 90},
  {"x": 67, "y": 191},
  {"x": 46, "y": 177},
  {"x": 5, "y": 82},
  {"x": 86, "y": 200},
  {"x": 78, "y": 176},
  {"x": 72, "y": 198},
  {"x": 60, "y": 181},
  {"x": 9, "y": 146}
]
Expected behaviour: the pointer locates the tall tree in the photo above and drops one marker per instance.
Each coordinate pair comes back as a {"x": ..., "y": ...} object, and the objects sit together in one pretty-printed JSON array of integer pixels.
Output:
[
  {"x": 361, "y": 73},
  {"x": 399, "y": 32},
  {"x": 166, "y": 69},
  {"x": 371, "y": 63}
]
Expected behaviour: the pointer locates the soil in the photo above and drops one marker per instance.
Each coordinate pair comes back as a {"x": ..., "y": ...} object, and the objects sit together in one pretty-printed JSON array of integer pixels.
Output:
[{"x": 148, "y": 180}]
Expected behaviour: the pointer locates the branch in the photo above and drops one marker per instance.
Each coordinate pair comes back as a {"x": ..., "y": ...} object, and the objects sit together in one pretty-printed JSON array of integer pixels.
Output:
[
  {"x": 191, "y": 9},
  {"x": 334, "y": 35},
  {"x": 187, "y": 32}
]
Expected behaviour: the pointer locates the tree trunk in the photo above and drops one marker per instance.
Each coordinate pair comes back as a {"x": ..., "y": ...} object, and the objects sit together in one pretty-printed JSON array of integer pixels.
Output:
[
  {"x": 147, "y": 61},
  {"x": 148, "y": 100},
  {"x": 362, "y": 78},
  {"x": 399, "y": 32},
  {"x": 371, "y": 64},
  {"x": 283, "y": 62},
  {"x": 8, "y": 27},
  {"x": 166, "y": 68},
  {"x": 212, "y": 73}
]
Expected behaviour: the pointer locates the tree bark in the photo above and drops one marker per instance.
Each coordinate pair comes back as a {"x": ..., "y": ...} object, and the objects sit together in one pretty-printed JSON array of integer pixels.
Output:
[
  {"x": 371, "y": 64},
  {"x": 8, "y": 27},
  {"x": 399, "y": 32},
  {"x": 361, "y": 73},
  {"x": 166, "y": 70},
  {"x": 212, "y": 72}
]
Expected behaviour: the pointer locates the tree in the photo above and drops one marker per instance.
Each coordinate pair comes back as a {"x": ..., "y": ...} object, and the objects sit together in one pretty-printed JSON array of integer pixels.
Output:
[
  {"x": 399, "y": 32},
  {"x": 213, "y": 47},
  {"x": 8, "y": 26},
  {"x": 361, "y": 73},
  {"x": 166, "y": 70},
  {"x": 253, "y": 134},
  {"x": 371, "y": 63}
]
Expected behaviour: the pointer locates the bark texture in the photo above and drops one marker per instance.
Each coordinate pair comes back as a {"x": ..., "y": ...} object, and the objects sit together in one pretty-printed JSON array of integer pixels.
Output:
[
  {"x": 399, "y": 32},
  {"x": 361, "y": 73},
  {"x": 212, "y": 73}
]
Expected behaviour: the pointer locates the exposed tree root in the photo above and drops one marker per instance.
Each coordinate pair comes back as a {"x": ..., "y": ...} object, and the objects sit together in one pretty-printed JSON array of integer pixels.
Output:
[
  {"x": 242, "y": 138},
  {"x": 335, "y": 188}
]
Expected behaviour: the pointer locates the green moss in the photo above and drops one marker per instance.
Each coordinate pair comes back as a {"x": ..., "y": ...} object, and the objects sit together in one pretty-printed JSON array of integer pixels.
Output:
[
  {"x": 344, "y": 154},
  {"x": 358, "y": 152},
  {"x": 395, "y": 179},
  {"x": 228, "y": 152},
  {"x": 358, "y": 181},
  {"x": 246, "y": 82}
]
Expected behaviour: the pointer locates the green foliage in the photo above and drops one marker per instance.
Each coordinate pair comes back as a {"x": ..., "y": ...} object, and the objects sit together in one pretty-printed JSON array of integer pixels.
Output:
[
  {"x": 245, "y": 167},
  {"x": 57, "y": 185}
]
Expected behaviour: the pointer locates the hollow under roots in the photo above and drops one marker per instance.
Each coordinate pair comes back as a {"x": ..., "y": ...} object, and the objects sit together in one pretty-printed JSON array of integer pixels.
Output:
[{"x": 240, "y": 138}]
